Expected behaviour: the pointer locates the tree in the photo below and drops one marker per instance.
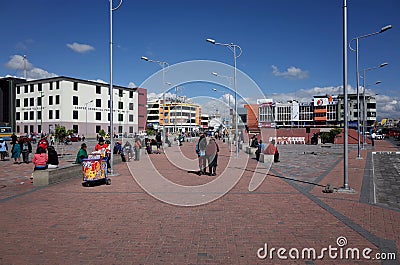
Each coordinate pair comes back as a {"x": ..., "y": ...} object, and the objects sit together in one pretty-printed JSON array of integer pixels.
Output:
[
  {"x": 102, "y": 133},
  {"x": 329, "y": 137}
]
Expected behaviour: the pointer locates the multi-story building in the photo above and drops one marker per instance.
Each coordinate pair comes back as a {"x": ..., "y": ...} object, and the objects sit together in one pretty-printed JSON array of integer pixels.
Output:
[
  {"x": 320, "y": 111},
  {"x": 81, "y": 105},
  {"x": 7, "y": 100},
  {"x": 175, "y": 116}
]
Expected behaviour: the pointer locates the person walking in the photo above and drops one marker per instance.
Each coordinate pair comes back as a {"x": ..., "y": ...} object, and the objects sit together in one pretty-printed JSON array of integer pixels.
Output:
[
  {"x": 16, "y": 152},
  {"x": 3, "y": 148},
  {"x": 26, "y": 150},
  {"x": 212, "y": 150},
  {"x": 373, "y": 136},
  {"x": 201, "y": 147},
  {"x": 138, "y": 145}
]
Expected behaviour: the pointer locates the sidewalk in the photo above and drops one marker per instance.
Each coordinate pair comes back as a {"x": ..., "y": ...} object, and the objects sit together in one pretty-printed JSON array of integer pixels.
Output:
[{"x": 122, "y": 224}]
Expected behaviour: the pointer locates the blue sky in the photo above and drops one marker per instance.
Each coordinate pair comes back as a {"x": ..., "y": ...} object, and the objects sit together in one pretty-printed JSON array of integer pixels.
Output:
[{"x": 291, "y": 48}]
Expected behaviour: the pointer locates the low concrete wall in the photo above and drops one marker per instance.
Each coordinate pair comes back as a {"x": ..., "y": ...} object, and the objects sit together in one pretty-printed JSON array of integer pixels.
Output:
[
  {"x": 54, "y": 175},
  {"x": 264, "y": 158},
  {"x": 250, "y": 150}
]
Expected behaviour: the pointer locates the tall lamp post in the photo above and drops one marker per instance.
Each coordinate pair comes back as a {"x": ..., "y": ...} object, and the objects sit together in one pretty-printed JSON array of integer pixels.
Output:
[
  {"x": 86, "y": 104},
  {"x": 233, "y": 48},
  {"x": 229, "y": 79},
  {"x": 111, "y": 84},
  {"x": 357, "y": 79},
  {"x": 162, "y": 64},
  {"x": 364, "y": 103}
]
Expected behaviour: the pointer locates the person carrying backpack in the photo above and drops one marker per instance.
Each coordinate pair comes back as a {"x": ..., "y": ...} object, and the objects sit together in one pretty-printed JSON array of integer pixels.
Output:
[{"x": 26, "y": 150}]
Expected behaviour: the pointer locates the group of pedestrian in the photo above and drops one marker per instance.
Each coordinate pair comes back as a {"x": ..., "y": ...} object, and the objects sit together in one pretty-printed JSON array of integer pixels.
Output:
[
  {"x": 207, "y": 153},
  {"x": 46, "y": 156},
  {"x": 270, "y": 150}
]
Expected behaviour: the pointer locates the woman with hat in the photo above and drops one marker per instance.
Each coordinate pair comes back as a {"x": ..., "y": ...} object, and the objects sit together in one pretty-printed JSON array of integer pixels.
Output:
[{"x": 82, "y": 154}]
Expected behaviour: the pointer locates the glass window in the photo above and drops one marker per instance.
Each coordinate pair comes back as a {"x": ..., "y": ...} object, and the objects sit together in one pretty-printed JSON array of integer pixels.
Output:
[
  {"x": 50, "y": 114},
  {"x": 130, "y": 94},
  {"x": 18, "y": 103},
  {"x": 130, "y": 106},
  {"x": 120, "y": 105},
  {"x": 50, "y": 100},
  {"x": 39, "y": 87},
  {"x": 26, "y": 102},
  {"x": 98, "y": 116},
  {"x": 32, "y": 86},
  {"x": 98, "y": 89},
  {"x": 57, "y": 114},
  {"x": 18, "y": 90},
  {"x": 75, "y": 128},
  {"x": 26, "y": 89},
  {"x": 39, "y": 101},
  {"x": 31, "y": 115},
  {"x": 76, "y": 86},
  {"x": 98, "y": 128},
  {"x": 120, "y": 117},
  {"x": 32, "y": 102},
  {"x": 39, "y": 115},
  {"x": 51, "y": 85},
  {"x": 75, "y": 114},
  {"x": 98, "y": 103},
  {"x": 74, "y": 100},
  {"x": 57, "y": 99},
  {"x": 57, "y": 84},
  {"x": 26, "y": 115},
  {"x": 18, "y": 116}
]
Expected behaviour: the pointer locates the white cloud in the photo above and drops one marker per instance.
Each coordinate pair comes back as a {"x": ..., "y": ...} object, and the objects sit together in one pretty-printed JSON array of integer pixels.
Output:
[
  {"x": 99, "y": 81},
  {"x": 132, "y": 85},
  {"x": 81, "y": 48},
  {"x": 291, "y": 73},
  {"x": 17, "y": 62}
]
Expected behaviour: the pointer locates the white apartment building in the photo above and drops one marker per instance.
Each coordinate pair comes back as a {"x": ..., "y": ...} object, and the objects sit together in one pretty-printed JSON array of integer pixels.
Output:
[{"x": 81, "y": 105}]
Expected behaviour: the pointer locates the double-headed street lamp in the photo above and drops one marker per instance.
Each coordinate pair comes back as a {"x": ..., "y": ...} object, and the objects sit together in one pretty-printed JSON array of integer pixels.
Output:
[
  {"x": 229, "y": 79},
  {"x": 364, "y": 86},
  {"x": 162, "y": 64},
  {"x": 232, "y": 47},
  {"x": 111, "y": 84},
  {"x": 86, "y": 104},
  {"x": 357, "y": 78}
]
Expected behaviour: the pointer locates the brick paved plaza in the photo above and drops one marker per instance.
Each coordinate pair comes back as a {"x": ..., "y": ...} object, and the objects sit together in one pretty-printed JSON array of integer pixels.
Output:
[{"x": 67, "y": 223}]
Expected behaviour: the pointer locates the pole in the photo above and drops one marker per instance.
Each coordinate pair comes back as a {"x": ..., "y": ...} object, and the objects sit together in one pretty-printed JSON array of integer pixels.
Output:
[
  {"x": 111, "y": 87},
  {"x": 346, "y": 143},
  {"x": 358, "y": 103},
  {"x": 236, "y": 114},
  {"x": 111, "y": 93},
  {"x": 364, "y": 110}
]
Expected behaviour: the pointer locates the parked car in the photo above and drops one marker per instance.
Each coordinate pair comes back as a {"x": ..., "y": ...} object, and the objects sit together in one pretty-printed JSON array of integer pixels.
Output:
[{"x": 75, "y": 138}]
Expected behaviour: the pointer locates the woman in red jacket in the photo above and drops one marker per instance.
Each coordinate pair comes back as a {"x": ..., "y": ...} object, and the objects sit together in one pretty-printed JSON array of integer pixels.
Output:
[{"x": 40, "y": 159}]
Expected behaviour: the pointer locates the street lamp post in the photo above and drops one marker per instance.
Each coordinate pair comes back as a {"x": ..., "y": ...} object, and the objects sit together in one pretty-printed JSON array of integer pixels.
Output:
[
  {"x": 162, "y": 64},
  {"x": 111, "y": 84},
  {"x": 41, "y": 111},
  {"x": 364, "y": 103},
  {"x": 357, "y": 79},
  {"x": 233, "y": 48},
  {"x": 86, "y": 105},
  {"x": 229, "y": 79}
]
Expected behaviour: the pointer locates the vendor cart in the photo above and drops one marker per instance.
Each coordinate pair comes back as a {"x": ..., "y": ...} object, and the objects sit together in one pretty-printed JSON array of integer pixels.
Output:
[{"x": 95, "y": 169}]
